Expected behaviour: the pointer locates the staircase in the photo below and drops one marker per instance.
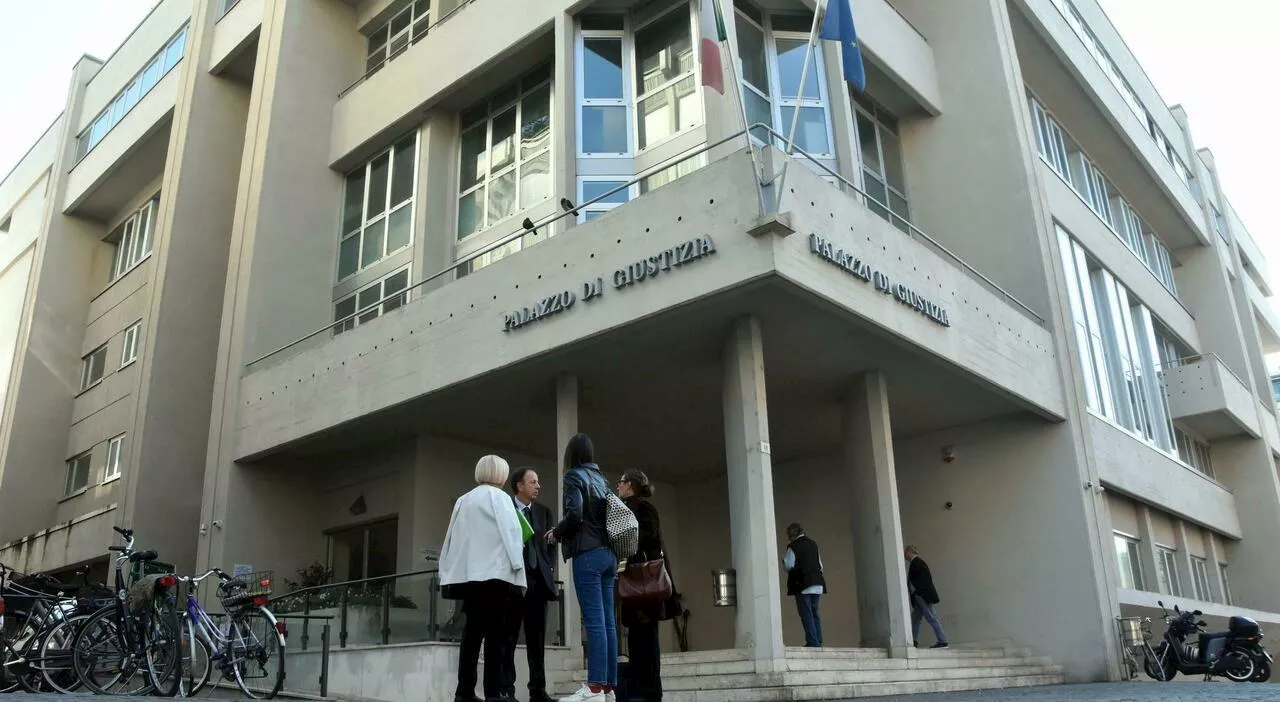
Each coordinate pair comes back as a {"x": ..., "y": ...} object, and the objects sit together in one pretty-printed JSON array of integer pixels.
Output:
[{"x": 840, "y": 673}]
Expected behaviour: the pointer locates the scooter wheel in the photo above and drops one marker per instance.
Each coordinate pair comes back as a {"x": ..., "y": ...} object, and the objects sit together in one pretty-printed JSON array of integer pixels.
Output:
[
  {"x": 1153, "y": 670},
  {"x": 1261, "y": 671},
  {"x": 1238, "y": 666}
]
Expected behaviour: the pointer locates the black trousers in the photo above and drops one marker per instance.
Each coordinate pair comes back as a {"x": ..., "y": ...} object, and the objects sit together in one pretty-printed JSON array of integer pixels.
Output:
[
  {"x": 644, "y": 669},
  {"x": 488, "y": 608},
  {"x": 531, "y": 615}
]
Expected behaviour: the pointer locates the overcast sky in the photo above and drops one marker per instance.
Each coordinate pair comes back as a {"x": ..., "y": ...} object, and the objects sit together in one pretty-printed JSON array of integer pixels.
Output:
[{"x": 1219, "y": 58}]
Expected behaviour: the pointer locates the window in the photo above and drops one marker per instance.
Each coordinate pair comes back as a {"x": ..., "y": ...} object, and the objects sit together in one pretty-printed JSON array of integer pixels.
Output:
[
  {"x": 133, "y": 238},
  {"x": 1200, "y": 577},
  {"x": 881, "y": 156},
  {"x": 405, "y": 27},
  {"x": 1130, "y": 564},
  {"x": 635, "y": 80},
  {"x": 505, "y": 158},
  {"x": 1227, "y": 599},
  {"x": 591, "y": 188},
  {"x": 1167, "y": 572},
  {"x": 5, "y": 224},
  {"x": 129, "y": 351},
  {"x": 365, "y": 551},
  {"x": 77, "y": 474},
  {"x": 667, "y": 100},
  {"x": 771, "y": 52},
  {"x": 1194, "y": 452},
  {"x": 92, "y": 367},
  {"x": 1050, "y": 140},
  {"x": 1220, "y": 225},
  {"x": 162, "y": 63},
  {"x": 377, "y": 208},
  {"x": 115, "y": 448},
  {"x": 366, "y": 301},
  {"x": 1127, "y": 93},
  {"x": 1116, "y": 334}
]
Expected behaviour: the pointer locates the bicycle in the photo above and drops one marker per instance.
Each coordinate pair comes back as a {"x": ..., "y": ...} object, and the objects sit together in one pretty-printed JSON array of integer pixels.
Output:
[
  {"x": 235, "y": 646},
  {"x": 1135, "y": 647},
  {"x": 41, "y": 620},
  {"x": 132, "y": 646}
]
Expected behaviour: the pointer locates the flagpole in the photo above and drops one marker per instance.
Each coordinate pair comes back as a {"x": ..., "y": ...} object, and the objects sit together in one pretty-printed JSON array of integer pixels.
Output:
[{"x": 804, "y": 76}]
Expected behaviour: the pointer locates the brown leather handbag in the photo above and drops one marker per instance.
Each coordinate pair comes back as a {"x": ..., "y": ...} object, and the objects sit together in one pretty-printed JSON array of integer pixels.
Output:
[{"x": 645, "y": 583}]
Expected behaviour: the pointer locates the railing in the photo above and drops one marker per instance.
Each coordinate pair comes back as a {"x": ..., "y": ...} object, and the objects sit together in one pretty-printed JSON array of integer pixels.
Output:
[
  {"x": 262, "y": 628},
  {"x": 529, "y": 227},
  {"x": 1198, "y": 357},
  {"x": 413, "y": 39},
  {"x": 390, "y": 609},
  {"x": 227, "y": 5}
]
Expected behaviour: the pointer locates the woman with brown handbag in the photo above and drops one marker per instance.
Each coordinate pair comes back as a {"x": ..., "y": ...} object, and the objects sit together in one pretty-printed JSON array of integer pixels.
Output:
[{"x": 643, "y": 591}]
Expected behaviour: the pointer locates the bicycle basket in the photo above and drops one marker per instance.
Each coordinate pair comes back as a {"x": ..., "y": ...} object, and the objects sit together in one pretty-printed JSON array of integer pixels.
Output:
[{"x": 245, "y": 589}]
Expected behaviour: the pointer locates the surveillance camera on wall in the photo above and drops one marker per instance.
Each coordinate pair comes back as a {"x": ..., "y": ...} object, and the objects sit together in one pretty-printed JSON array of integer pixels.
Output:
[{"x": 948, "y": 454}]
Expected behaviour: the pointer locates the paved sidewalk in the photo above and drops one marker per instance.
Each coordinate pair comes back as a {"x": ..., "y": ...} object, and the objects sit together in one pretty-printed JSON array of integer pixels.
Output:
[{"x": 1223, "y": 691}]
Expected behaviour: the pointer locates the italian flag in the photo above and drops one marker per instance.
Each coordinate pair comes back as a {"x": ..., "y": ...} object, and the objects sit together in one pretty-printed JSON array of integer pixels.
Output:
[{"x": 713, "y": 37}]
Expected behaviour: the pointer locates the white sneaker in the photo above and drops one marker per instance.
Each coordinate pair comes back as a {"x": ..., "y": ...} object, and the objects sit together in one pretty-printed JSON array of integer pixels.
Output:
[
  {"x": 609, "y": 697},
  {"x": 584, "y": 694}
]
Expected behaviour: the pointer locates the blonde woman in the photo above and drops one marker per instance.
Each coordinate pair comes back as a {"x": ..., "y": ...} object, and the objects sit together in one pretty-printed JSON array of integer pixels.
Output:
[{"x": 482, "y": 564}]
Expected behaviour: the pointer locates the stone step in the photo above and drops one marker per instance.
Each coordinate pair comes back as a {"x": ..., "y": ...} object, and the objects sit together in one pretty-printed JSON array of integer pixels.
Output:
[
  {"x": 918, "y": 663},
  {"x": 575, "y": 663},
  {"x": 731, "y": 681},
  {"x": 850, "y": 691}
]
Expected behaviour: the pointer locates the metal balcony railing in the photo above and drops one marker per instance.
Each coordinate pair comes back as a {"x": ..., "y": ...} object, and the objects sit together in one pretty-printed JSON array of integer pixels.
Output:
[{"x": 911, "y": 230}]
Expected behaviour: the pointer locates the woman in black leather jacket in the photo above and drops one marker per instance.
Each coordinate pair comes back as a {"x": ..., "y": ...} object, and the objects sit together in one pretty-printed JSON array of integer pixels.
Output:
[
  {"x": 585, "y": 541},
  {"x": 643, "y": 649}
]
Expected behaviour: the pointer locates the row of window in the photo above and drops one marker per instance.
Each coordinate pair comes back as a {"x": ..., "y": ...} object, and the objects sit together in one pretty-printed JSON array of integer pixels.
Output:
[
  {"x": 1066, "y": 158},
  {"x": 377, "y": 210},
  {"x": 1168, "y": 582},
  {"x": 156, "y": 68},
  {"x": 1127, "y": 93},
  {"x": 1124, "y": 350},
  {"x": 133, "y": 238},
  {"x": 80, "y": 468},
  {"x": 93, "y": 366}
]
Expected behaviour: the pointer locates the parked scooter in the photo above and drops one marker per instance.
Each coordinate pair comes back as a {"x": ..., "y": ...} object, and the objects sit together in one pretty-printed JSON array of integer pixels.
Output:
[
  {"x": 1226, "y": 654},
  {"x": 1247, "y": 635}
]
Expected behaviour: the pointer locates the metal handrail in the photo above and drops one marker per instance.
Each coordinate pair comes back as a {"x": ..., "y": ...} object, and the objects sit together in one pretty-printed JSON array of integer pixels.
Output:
[
  {"x": 412, "y": 40},
  {"x": 912, "y": 232}
]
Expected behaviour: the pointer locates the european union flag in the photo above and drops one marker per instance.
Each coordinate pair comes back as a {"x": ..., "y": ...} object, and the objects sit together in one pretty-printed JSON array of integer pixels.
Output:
[{"x": 838, "y": 26}]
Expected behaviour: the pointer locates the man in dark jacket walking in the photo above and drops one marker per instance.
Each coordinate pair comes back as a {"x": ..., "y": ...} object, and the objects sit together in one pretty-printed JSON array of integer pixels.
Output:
[
  {"x": 803, "y": 563},
  {"x": 923, "y": 597}
]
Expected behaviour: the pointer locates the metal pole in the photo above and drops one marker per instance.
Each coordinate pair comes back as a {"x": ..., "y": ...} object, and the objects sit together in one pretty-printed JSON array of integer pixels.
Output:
[
  {"x": 324, "y": 660},
  {"x": 386, "y": 612},
  {"x": 342, "y": 612},
  {"x": 306, "y": 620},
  {"x": 804, "y": 76}
]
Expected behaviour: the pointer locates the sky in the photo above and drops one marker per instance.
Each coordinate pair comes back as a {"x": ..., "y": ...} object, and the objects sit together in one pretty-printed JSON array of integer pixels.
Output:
[{"x": 1217, "y": 58}]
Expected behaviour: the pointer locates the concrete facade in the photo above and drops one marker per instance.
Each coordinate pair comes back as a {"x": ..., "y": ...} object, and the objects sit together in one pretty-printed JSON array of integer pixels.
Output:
[{"x": 369, "y": 265}]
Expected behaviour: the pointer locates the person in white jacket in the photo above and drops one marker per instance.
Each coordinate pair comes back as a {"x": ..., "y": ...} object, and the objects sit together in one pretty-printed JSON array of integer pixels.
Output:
[{"x": 482, "y": 564}]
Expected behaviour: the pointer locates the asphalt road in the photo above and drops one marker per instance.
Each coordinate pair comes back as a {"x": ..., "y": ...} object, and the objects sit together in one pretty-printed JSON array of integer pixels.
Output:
[{"x": 1222, "y": 691}]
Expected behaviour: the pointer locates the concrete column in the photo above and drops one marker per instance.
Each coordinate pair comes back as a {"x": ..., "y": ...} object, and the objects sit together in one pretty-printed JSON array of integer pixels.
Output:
[
  {"x": 1217, "y": 588},
  {"x": 564, "y": 113},
  {"x": 566, "y": 427},
  {"x": 1147, "y": 550},
  {"x": 749, "y": 469},
  {"x": 1183, "y": 561},
  {"x": 883, "y": 611}
]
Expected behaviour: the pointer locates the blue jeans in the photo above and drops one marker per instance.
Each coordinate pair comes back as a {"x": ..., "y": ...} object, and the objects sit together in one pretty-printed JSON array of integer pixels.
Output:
[
  {"x": 808, "y": 607},
  {"x": 923, "y": 610},
  {"x": 594, "y": 573}
]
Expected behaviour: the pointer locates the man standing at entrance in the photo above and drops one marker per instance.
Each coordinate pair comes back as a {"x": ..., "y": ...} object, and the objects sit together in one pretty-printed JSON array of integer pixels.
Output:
[
  {"x": 923, "y": 597},
  {"x": 539, "y": 565},
  {"x": 805, "y": 582}
]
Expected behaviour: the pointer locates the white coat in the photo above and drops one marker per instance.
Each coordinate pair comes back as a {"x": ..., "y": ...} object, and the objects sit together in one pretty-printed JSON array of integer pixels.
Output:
[{"x": 484, "y": 540}]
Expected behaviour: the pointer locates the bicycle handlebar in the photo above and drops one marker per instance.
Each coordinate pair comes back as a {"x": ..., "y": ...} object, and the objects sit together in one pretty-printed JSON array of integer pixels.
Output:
[{"x": 200, "y": 578}]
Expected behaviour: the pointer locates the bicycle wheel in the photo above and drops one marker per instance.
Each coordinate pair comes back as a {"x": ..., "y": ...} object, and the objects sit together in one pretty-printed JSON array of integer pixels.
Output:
[
  {"x": 163, "y": 642},
  {"x": 104, "y": 659},
  {"x": 55, "y": 664},
  {"x": 197, "y": 662},
  {"x": 257, "y": 654}
]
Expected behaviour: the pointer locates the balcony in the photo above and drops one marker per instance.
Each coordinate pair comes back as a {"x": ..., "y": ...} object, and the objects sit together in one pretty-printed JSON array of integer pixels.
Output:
[
  {"x": 1265, "y": 312},
  {"x": 1209, "y": 398}
]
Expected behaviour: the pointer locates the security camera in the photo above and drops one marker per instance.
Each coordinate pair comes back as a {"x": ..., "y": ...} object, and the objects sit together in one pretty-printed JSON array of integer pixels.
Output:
[{"x": 948, "y": 454}]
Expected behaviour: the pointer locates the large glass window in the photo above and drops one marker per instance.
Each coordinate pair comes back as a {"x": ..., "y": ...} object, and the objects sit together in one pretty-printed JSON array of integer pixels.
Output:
[
  {"x": 366, "y": 301},
  {"x": 1118, "y": 349},
  {"x": 133, "y": 238},
  {"x": 92, "y": 367},
  {"x": 505, "y": 158},
  {"x": 377, "y": 209},
  {"x": 1128, "y": 561},
  {"x": 1167, "y": 572},
  {"x": 406, "y": 26},
  {"x": 77, "y": 474},
  {"x": 667, "y": 99},
  {"x": 771, "y": 52},
  {"x": 155, "y": 69},
  {"x": 881, "y": 155}
]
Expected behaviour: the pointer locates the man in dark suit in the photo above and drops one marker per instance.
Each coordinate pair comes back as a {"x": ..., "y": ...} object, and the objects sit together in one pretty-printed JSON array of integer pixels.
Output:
[
  {"x": 540, "y": 568},
  {"x": 923, "y": 597}
]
